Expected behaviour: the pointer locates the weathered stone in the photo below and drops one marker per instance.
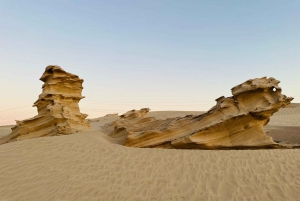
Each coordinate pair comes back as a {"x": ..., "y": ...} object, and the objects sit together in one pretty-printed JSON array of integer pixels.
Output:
[
  {"x": 234, "y": 123},
  {"x": 58, "y": 110}
]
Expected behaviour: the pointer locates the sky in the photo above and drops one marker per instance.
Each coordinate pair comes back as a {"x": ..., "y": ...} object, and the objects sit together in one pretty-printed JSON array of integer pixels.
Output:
[{"x": 161, "y": 54}]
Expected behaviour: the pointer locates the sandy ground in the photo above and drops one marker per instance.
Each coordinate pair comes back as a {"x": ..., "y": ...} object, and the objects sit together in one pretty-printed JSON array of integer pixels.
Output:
[
  {"x": 90, "y": 166},
  {"x": 4, "y": 130},
  {"x": 285, "y": 124}
]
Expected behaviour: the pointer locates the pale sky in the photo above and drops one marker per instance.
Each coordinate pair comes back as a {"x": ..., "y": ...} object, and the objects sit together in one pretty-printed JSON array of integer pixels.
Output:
[{"x": 165, "y": 55}]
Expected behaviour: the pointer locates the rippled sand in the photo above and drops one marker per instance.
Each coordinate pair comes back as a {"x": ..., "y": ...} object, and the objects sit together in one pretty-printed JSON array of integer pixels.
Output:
[{"x": 90, "y": 166}]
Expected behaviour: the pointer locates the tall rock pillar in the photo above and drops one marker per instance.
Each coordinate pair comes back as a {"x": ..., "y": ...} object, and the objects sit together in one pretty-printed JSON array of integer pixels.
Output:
[{"x": 57, "y": 106}]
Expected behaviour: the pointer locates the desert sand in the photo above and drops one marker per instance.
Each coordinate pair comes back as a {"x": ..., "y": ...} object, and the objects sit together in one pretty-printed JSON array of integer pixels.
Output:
[
  {"x": 285, "y": 124},
  {"x": 4, "y": 130},
  {"x": 91, "y": 166}
]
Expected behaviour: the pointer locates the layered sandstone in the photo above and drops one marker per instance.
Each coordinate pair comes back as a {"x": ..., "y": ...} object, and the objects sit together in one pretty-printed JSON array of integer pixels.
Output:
[
  {"x": 57, "y": 106},
  {"x": 235, "y": 122}
]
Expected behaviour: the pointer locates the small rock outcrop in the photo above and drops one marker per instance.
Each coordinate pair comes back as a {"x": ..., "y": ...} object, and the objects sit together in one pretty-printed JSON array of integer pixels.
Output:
[
  {"x": 235, "y": 122},
  {"x": 57, "y": 106}
]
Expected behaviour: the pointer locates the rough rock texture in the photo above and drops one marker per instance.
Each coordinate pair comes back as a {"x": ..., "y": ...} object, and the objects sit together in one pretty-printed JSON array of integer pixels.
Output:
[
  {"x": 58, "y": 110},
  {"x": 234, "y": 123}
]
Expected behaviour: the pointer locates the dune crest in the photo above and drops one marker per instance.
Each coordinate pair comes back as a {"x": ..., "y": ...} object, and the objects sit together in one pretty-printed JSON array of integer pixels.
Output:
[
  {"x": 57, "y": 106},
  {"x": 235, "y": 122}
]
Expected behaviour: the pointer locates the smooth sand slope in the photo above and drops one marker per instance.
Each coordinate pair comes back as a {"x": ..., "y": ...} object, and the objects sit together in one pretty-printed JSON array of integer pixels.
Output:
[
  {"x": 4, "y": 130},
  {"x": 285, "y": 124},
  {"x": 90, "y": 166}
]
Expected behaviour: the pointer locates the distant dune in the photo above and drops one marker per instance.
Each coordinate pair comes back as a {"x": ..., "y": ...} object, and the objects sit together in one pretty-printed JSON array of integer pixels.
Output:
[
  {"x": 91, "y": 166},
  {"x": 5, "y": 130},
  {"x": 285, "y": 124}
]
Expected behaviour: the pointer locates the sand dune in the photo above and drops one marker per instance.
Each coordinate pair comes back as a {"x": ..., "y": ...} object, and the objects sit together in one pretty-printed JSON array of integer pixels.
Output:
[
  {"x": 87, "y": 166},
  {"x": 285, "y": 124},
  {"x": 172, "y": 114},
  {"x": 287, "y": 116},
  {"x": 91, "y": 166},
  {"x": 285, "y": 133},
  {"x": 5, "y": 130}
]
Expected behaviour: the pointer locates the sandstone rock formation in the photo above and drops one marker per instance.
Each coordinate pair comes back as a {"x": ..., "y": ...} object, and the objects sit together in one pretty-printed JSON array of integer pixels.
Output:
[
  {"x": 233, "y": 123},
  {"x": 58, "y": 110}
]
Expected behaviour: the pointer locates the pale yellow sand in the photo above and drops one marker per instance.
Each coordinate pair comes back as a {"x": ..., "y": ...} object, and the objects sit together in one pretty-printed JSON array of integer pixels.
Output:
[
  {"x": 287, "y": 116},
  {"x": 172, "y": 114},
  {"x": 285, "y": 124},
  {"x": 4, "y": 130},
  {"x": 90, "y": 166}
]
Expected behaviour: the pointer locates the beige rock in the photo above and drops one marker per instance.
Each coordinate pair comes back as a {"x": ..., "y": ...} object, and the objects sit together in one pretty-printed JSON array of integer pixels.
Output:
[
  {"x": 234, "y": 123},
  {"x": 58, "y": 110}
]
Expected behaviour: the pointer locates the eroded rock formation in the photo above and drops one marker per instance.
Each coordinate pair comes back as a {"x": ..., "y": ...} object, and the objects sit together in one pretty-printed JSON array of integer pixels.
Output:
[
  {"x": 233, "y": 123},
  {"x": 57, "y": 106}
]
